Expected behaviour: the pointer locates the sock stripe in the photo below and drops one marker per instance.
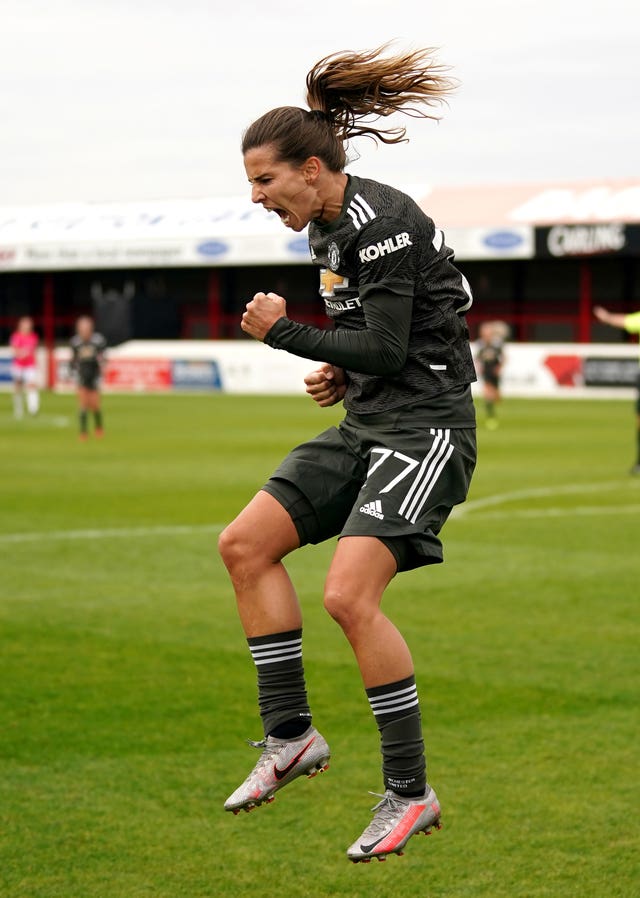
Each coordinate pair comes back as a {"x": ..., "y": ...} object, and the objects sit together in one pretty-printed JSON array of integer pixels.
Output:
[
  {"x": 278, "y": 660},
  {"x": 394, "y": 701},
  {"x": 392, "y": 710},
  {"x": 274, "y": 645},
  {"x": 386, "y": 695},
  {"x": 276, "y": 652}
]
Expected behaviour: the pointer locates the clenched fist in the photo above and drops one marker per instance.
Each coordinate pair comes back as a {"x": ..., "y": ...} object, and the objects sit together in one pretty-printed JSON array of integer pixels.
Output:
[
  {"x": 327, "y": 385},
  {"x": 262, "y": 313}
]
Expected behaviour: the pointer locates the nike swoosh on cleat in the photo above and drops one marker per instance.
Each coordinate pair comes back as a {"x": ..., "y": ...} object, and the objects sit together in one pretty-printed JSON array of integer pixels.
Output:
[
  {"x": 368, "y": 848},
  {"x": 280, "y": 774}
]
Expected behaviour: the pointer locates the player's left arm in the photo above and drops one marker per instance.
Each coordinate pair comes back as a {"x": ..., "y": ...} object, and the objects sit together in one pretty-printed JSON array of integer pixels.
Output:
[{"x": 326, "y": 385}]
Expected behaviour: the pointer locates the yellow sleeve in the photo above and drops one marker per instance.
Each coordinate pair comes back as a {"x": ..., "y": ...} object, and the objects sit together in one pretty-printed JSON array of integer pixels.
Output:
[{"x": 632, "y": 323}]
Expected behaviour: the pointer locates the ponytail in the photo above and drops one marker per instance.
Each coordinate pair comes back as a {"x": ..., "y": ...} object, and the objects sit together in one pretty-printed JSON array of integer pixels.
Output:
[
  {"x": 346, "y": 92},
  {"x": 351, "y": 87}
]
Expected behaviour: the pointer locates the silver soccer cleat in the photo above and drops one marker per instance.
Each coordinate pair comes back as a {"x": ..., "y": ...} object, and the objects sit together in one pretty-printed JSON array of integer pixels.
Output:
[
  {"x": 280, "y": 763},
  {"x": 395, "y": 820}
]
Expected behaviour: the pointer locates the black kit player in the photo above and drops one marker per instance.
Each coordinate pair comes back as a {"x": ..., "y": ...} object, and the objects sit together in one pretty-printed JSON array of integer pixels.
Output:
[
  {"x": 490, "y": 359},
  {"x": 87, "y": 358},
  {"x": 631, "y": 324},
  {"x": 386, "y": 479}
]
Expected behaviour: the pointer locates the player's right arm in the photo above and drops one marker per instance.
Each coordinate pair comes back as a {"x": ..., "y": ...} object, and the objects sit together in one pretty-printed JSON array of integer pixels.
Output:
[{"x": 386, "y": 294}]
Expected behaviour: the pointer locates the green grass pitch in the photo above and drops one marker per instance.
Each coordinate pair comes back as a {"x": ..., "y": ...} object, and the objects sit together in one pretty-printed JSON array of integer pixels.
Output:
[{"x": 126, "y": 689}]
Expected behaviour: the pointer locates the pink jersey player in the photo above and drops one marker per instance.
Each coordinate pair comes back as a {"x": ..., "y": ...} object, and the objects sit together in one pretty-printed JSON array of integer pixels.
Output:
[
  {"x": 24, "y": 342},
  {"x": 24, "y": 346}
]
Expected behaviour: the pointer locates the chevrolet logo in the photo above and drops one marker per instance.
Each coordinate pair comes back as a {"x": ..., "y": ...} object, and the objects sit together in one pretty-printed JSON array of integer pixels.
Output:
[{"x": 330, "y": 281}]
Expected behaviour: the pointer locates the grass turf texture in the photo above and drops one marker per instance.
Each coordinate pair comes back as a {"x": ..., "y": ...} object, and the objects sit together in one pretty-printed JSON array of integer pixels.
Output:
[{"x": 127, "y": 689}]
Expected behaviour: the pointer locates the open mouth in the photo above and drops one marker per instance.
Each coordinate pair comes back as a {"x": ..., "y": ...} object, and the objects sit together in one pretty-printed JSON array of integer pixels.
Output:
[{"x": 284, "y": 216}]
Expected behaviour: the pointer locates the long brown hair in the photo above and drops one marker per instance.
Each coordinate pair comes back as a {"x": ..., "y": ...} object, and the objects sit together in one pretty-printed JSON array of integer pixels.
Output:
[{"x": 346, "y": 92}]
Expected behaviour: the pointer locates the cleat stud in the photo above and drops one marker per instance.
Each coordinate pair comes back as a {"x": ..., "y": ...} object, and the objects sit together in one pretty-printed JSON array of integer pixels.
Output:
[
  {"x": 438, "y": 825},
  {"x": 365, "y": 860},
  {"x": 382, "y": 857},
  {"x": 400, "y": 853},
  {"x": 236, "y": 811}
]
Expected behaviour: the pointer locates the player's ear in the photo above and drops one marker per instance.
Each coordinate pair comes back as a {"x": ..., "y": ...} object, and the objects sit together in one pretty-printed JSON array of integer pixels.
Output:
[{"x": 311, "y": 169}]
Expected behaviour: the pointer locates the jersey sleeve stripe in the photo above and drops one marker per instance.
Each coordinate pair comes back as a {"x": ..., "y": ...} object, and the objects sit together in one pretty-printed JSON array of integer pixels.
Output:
[{"x": 365, "y": 205}]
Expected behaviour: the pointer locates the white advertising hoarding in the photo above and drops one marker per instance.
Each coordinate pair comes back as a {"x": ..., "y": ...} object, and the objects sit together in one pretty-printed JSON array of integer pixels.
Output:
[{"x": 531, "y": 370}]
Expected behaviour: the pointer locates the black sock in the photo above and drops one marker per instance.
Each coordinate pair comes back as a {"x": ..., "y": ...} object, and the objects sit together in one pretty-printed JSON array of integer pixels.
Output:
[
  {"x": 97, "y": 419},
  {"x": 397, "y": 712},
  {"x": 282, "y": 693},
  {"x": 491, "y": 409},
  {"x": 291, "y": 729},
  {"x": 83, "y": 416}
]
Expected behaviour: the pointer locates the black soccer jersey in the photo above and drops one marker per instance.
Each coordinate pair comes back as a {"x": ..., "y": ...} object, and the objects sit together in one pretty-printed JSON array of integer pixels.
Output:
[
  {"x": 86, "y": 356},
  {"x": 382, "y": 243},
  {"x": 489, "y": 356}
]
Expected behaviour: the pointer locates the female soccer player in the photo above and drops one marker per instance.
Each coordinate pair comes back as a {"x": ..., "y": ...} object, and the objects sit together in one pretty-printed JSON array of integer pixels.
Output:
[
  {"x": 24, "y": 342},
  {"x": 386, "y": 479},
  {"x": 631, "y": 324},
  {"x": 87, "y": 358},
  {"x": 490, "y": 358}
]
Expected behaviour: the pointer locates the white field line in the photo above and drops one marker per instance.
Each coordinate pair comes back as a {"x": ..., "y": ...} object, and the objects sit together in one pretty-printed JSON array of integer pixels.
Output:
[
  {"x": 542, "y": 492},
  {"x": 109, "y": 533},
  {"x": 459, "y": 512},
  {"x": 39, "y": 420},
  {"x": 578, "y": 511}
]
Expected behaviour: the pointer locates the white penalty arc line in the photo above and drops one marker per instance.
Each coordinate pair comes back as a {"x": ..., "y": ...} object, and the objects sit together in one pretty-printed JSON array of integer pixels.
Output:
[
  {"x": 542, "y": 492},
  {"x": 110, "y": 533}
]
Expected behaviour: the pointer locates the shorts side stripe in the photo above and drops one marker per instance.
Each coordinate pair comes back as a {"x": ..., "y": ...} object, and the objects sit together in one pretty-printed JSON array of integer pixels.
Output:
[
  {"x": 434, "y": 480},
  {"x": 437, "y": 460},
  {"x": 420, "y": 474}
]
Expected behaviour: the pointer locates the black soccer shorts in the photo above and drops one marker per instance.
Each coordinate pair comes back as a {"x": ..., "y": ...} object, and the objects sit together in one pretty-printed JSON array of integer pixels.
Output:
[
  {"x": 89, "y": 381},
  {"x": 395, "y": 480}
]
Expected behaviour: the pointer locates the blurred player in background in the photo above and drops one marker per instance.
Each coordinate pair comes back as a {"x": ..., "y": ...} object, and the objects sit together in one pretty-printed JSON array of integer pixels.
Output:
[
  {"x": 631, "y": 324},
  {"x": 24, "y": 342},
  {"x": 87, "y": 359},
  {"x": 387, "y": 478},
  {"x": 490, "y": 359}
]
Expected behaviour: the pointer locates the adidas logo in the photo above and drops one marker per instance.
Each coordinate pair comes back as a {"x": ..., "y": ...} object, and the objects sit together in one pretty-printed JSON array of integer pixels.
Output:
[{"x": 373, "y": 508}]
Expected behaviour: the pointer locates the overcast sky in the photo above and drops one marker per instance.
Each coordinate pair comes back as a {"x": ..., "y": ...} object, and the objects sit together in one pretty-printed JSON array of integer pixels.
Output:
[{"x": 136, "y": 99}]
